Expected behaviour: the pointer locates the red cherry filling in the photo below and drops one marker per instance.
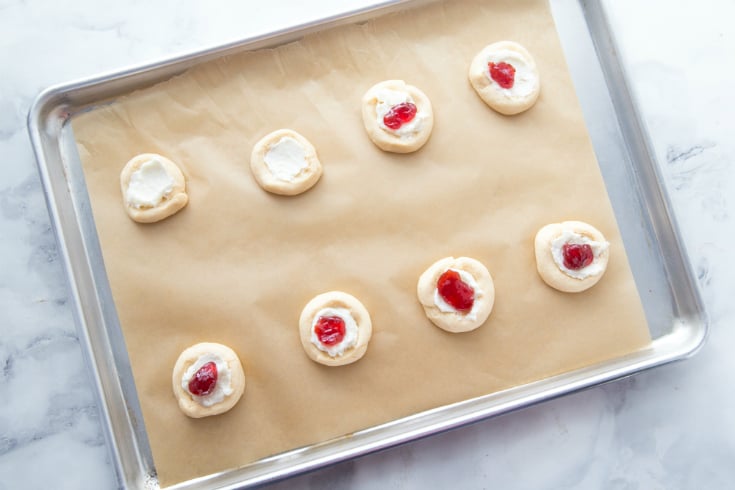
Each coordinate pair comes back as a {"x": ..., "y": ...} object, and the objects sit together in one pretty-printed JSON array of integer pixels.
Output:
[
  {"x": 204, "y": 380},
  {"x": 330, "y": 330},
  {"x": 577, "y": 255},
  {"x": 455, "y": 291},
  {"x": 503, "y": 73},
  {"x": 399, "y": 114}
]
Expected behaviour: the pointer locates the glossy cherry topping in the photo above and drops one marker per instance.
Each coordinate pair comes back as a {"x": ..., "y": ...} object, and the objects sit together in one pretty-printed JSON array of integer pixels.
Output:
[
  {"x": 455, "y": 291},
  {"x": 400, "y": 114},
  {"x": 204, "y": 380},
  {"x": 330, "y": 330},
  {"x": 577, "y": 255},
  {"x": 503, "y": 73}
]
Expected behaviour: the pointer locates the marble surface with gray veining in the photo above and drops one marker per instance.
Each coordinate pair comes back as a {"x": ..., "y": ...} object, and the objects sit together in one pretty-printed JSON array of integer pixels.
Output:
[{"x": 670, "y": 428}]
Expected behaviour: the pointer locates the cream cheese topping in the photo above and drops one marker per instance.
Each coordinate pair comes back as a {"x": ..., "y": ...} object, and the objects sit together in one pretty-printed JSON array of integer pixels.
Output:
[
  {"x": 149, "y": 185},
  {"x": 445, "y": 307},
  {"x": 525, "y": 79},
  {"x": 387, "y": 99},
  {"x": 222, "y": 388},
  {"x": 286, "y": 159},
  {"x": 557, "y": 252},
  {"x": 350, "y": 338}
]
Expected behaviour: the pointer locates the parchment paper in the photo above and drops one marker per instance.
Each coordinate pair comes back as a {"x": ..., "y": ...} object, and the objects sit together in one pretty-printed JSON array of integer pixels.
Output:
[{"x": 237, "y": 265}]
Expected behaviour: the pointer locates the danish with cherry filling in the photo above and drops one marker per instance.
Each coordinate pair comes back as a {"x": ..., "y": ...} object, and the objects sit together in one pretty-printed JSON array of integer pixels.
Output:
[
  {"x": 208, "y": 379},
  {"x": 571, "y": 256},
  {"x": 457, "y": 294},
  {"x": 505, "y": 76},
  {"x": 397, "y": 117},
  {"x": 153, "y": 188},
  {"x": 335, "y": 329},
  {"x": 284, "y": 162}
]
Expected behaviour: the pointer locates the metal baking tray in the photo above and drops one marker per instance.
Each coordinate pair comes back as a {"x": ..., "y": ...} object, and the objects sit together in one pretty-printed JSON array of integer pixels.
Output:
[{"x": 674, "y": 310}]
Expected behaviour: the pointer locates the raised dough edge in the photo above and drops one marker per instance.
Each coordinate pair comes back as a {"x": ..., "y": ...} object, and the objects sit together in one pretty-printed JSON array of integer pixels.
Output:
[
  {"x": 489, "y": 93},
  {"x": 547, "y": 268},
  {"x": 336, "y": 299},
  {"x": 450, "y": 321},
  {"x": 176, "y": 201},
  {"x": 188, "y": 357},
  {"x": 265, "y": 179},
  {"x": 387, "y": 141}
]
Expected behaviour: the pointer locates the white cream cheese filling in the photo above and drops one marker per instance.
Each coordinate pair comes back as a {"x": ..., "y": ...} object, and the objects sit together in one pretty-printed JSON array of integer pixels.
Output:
[
  {"x": 386, "y": 99},
  {"x": 286, "y": 159},
  {"x": 445, "y": 307},
  {"x": 149, "y": 185},
  {"x": 525, "y": 79},
  {"x": 350, "y": 338},
  {"x": 222, "y": 388},
  {"x": 557, "y": 252}
]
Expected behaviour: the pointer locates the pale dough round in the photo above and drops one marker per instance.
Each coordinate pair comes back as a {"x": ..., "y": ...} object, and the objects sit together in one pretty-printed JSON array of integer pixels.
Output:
[
  {"x": 172, "y": 202},
  {"x": 500, "y": 99},
  {"x": 550, "y": 271},
  {"x": 455, "y": 321},
  {"x": 386, "y": 139},
  {"x": 302, "y": 182},
  {"x": 336, "y": 299},
  {"x": 188, "y": 357}
]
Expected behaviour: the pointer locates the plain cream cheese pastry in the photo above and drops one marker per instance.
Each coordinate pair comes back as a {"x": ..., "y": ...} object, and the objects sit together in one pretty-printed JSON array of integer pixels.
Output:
[
  {"x": 286, "y": 163},
  {"x": 286, "y": 159},
  {"x": 571, "y": 256},
  {"x": 153, "y": 188},
  {"x": 335, "y": 329},
  {"x": 149, "y": 185},
  {"x": 505, "y": 76},
  {"x": 208, "y": 379}
]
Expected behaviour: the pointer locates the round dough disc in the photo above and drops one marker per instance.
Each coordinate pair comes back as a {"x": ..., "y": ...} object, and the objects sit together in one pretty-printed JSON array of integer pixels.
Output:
[
  {"x": 172, "y": 202},
  {"x": 335, "y": 299},
  {"x": 550, "y": 271},
  {"x": 523, "y": 95},
  {"x": 290, "y": 185},
  {"x": 455, "y": 321},
  {"x": 387, "y": 139},
  {"x": 190, "y": 356}
]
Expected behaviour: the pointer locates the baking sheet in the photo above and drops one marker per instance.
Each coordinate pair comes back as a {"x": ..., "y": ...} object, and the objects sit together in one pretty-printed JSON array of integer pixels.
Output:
[{"x": 237, "y": 264}]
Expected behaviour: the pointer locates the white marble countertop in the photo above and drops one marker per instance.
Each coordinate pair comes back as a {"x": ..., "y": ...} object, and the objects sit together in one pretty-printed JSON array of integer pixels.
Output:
[{"x": 670, "y": 428}]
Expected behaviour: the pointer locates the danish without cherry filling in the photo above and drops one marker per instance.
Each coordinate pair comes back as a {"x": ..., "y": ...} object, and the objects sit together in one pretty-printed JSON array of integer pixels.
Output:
[
  {"x": 153, "y": 188},
  {"x": 284, "y": 162}
]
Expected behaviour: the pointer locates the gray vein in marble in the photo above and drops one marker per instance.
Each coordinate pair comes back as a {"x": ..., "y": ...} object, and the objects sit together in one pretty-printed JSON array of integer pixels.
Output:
[
  {"x": 24, "y": 202},
  {"x": 67, "y": 406},
  {"x": 688, "y": 163},
  {"x": 703, "y": 272},
  {"x": 116, "y": 27},
  {"x": 66, "y": 416},
  {"x": 677, "y": 155}
]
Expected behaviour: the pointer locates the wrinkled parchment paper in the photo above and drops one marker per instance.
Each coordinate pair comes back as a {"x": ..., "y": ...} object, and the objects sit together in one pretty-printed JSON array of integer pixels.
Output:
[{"x": 237, "y": 265}]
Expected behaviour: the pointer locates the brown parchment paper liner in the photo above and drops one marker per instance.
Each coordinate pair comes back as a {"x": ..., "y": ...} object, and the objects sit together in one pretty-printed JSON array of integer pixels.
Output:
[{"x": 237, "y": 265}]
